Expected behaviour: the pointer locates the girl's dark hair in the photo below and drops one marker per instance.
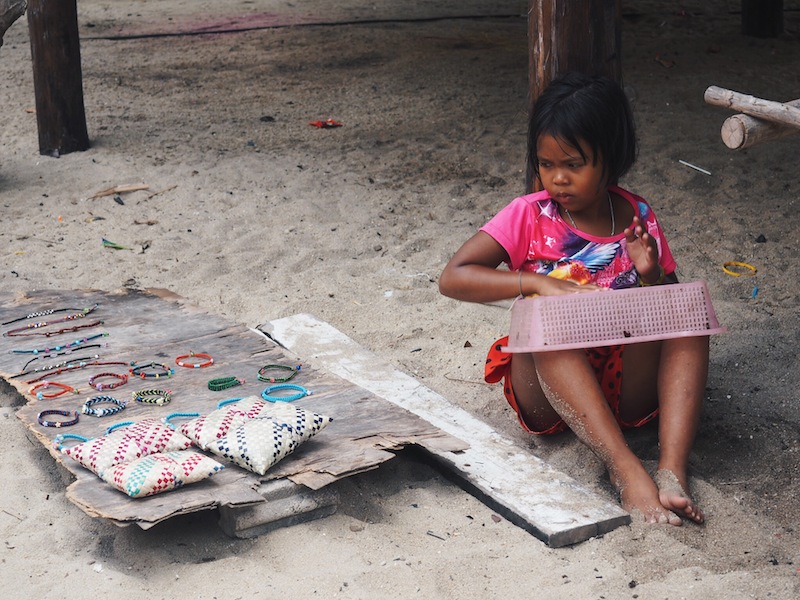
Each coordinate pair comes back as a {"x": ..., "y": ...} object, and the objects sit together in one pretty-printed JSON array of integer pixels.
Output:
[{"x": 594, "y": 110}]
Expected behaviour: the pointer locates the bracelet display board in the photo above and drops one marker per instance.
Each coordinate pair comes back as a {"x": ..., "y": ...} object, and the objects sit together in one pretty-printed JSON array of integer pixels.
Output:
[{"x": 156, "y": 326}]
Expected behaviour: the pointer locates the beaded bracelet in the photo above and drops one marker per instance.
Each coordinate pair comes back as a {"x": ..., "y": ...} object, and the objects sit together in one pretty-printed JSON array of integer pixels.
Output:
[
  {"x": 192, "y": 365},
  {"x": 20, "y": 332},
  {"x": 122, "y": 379},
  {"x": 105, "y": 411},
  {"x": 301, "y": 392},
  {"x": 65, "y": 413},
  {"x": 262, "y": 373},
  {"x": 159, "y": 397},
  {"x": 64, "y": 389},
  {"x": 50, "y": 311},
  {"x": 75, "y": 344},
  {"x": 58, "y": 441},
  {"x": 223, "y": 383},
  {"x": 137, "y": 370}
]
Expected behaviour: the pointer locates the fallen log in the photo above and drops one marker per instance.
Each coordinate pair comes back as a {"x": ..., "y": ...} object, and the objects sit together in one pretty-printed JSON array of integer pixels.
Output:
[
  {"x": 742, "y": 131},
  {"x": 775, "y": 112},
  {"x": 10, "y": 11}
]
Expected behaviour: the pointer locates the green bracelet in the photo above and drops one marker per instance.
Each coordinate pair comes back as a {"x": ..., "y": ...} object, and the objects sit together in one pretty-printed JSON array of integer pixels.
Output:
[
  {"x": 262, "y": 373},
  {"x": 223, "y": 383}
]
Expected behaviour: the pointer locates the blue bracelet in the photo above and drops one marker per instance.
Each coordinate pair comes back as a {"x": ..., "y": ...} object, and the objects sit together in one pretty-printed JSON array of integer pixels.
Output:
[
  {"x": 58, "y": 441},
  {"x": 168, "y": 419},
  {"x": 222, "y": 403},
  {"x": 301, "y": 392}
]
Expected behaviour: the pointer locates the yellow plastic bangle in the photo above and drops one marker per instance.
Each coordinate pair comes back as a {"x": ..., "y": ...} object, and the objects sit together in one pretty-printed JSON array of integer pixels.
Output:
[{"x": 751, "y": 270}]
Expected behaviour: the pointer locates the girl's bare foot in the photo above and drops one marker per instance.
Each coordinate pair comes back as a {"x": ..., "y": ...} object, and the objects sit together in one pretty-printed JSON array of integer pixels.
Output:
[
  {"x": 639, "y": 494},
  {"x": 673, "y": 496}
]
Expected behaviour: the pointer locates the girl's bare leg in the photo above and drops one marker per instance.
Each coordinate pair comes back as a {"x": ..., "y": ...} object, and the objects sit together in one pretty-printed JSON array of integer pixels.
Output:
[
  {"x": 568, "y": 383},
  {"x": 681, "y": 384},
  {"x": 670, "y": 375}
]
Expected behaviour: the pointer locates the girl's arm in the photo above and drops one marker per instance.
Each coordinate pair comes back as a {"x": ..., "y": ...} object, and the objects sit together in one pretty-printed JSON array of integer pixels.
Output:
[{"x": 472, "y": 275}]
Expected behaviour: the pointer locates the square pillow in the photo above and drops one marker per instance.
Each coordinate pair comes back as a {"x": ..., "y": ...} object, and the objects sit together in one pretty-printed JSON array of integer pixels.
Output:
[
  {"x": 305, "y": 423},
  {"x": 125, "y": 444},
  {"x": 256, "y": 445},
  {"x": 156, "y": 436},
  {"x": 161, "y": 472},
  {"x": 259, "y": 443},
  {"x": 100, "y": 453},
  {"x": 206, "y": 429}
]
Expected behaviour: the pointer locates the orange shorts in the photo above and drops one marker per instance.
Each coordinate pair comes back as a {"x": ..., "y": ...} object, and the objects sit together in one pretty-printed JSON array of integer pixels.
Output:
[{"x": 606, "y": 363}]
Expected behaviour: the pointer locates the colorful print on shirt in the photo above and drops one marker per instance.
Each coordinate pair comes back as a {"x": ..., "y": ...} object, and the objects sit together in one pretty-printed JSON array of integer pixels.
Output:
[{"x": 537, "y": 239}]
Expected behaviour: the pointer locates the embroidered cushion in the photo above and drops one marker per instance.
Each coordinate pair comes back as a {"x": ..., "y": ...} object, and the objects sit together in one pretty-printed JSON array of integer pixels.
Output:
[{"x": 161, "y": 472}]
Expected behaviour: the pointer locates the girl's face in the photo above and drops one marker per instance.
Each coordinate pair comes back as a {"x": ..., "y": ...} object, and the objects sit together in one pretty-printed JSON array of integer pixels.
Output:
[{"x": 575, "y": 183}]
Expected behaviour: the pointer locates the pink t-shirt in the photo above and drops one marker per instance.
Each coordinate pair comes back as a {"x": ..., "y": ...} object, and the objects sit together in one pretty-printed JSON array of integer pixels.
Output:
[{"x": 537, "y": 239}]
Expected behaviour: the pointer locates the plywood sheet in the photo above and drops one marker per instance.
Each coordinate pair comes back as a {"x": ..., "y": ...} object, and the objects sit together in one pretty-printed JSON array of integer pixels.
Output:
[{"x": 156, "y": 325}]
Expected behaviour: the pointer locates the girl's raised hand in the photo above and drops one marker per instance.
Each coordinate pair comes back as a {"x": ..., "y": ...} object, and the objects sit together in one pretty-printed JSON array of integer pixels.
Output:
[{"x": 642, "y": 249}]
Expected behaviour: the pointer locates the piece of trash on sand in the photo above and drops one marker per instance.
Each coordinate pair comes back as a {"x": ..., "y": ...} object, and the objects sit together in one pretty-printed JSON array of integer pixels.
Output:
[
  {"x": 326, "y": 124},
  {"x": 120, "y": 189},
  {"x": 113, "y": 245},
  {"x": 695, "y": 167}
]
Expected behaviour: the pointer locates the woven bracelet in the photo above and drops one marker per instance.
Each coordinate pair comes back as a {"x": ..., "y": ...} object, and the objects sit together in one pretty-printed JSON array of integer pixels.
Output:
[
  {"x": 122, "y": 379},
  {"x": 195, "y": 365},
  {"x": 64, "y": 413},
  {"x": 138, "y": 370},
  {"x": 87, "y": 409},
  {"x": 301, "y": 392},
  {"x": 223, "y": 383},
  {"x": 64, "y": 389},
  {"x": 262, "y": 373},
  {"x": 159, "y": 397}
]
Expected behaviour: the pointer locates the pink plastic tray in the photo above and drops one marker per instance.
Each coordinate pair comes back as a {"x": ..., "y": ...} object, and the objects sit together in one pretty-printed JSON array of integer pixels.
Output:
[{"x": 659, "y": 312}]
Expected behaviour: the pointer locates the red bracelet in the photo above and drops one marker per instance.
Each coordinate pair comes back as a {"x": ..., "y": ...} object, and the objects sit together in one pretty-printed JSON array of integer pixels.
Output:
[
  {"x": 208, "y": 360},
  {"x": 122, "y": 380},
  {"x": 46, "y": 384}
]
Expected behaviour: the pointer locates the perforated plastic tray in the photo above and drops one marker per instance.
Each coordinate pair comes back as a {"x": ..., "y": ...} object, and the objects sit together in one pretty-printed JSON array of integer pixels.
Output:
[{"x": 643, "y": 314}]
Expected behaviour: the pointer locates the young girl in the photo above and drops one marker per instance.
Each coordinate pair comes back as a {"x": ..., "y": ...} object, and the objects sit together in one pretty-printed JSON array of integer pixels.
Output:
[{"x": 583, "y": 234}]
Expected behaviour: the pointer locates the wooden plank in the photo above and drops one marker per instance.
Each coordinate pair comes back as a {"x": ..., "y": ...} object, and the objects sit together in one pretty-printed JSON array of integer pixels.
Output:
[
  {"x": 157, "y": 325},
  {"x": 550, "y": 505}
]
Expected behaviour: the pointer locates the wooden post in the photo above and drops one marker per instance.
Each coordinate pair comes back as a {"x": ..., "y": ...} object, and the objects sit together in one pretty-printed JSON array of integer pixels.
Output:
[
  {"x": 571, "y": 35},
  {"x": 762, "y": 18},
  {"x": 57, "y": 78}
]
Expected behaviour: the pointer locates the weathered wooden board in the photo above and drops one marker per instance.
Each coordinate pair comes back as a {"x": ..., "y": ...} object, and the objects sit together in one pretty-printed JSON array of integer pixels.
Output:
[
  {"x": 524, "y": 489},
  {"x": 158, "y": 326}
]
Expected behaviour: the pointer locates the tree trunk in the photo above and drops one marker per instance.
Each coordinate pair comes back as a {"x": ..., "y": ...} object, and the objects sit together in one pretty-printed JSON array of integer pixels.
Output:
[
  {"x": 571, "y": 35},
  {"x": 57, "y": 78}
]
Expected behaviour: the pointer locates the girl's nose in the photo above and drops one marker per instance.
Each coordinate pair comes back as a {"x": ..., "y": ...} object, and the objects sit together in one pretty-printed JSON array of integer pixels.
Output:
[{"x": 560, "y": 177}]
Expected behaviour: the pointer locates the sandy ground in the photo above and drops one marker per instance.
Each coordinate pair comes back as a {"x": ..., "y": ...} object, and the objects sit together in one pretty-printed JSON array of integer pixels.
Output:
[{"x": 255, "y": 215}]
